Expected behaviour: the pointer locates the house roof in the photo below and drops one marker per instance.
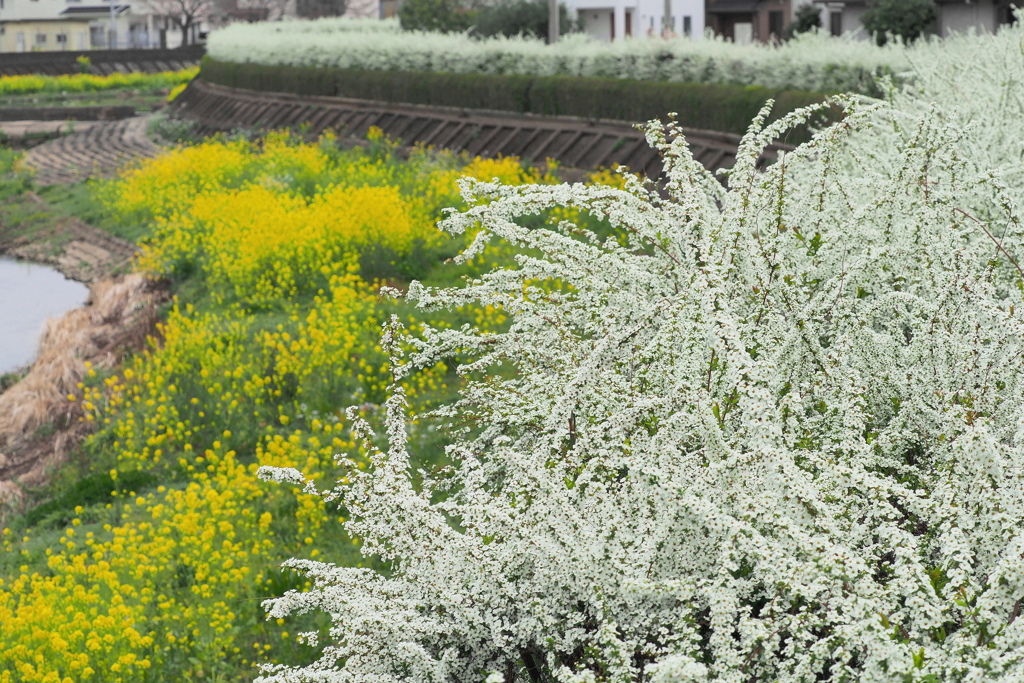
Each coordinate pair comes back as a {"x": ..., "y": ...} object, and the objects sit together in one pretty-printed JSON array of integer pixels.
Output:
[
  {"x": 93, "y": 10},
  {"x": 44, "y": 20},
  {"x": 732, "y": 6}
]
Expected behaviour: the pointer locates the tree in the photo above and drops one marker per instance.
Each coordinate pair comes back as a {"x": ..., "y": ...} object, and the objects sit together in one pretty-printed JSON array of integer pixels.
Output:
[
  {"x": 727, "y": 439},
  {"x": 806, "y": 18},
  {"x": 519, "y": 17},
  {"x": 906, "y": 19},
  {"x": 434, "y": 15},
  {"x": 184, "y": 13}
]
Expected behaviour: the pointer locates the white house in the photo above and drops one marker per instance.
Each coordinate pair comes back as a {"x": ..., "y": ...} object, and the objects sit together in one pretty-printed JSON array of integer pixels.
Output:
[
  {"x": 56, "y": 25},
  {"x": 613, "y": 19}
]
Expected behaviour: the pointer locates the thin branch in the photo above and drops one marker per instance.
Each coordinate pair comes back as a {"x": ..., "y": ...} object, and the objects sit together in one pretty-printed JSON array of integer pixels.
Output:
[{"x": 996, "y": 242}]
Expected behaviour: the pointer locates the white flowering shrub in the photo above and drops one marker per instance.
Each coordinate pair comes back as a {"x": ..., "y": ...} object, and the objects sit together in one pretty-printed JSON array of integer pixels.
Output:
[
  {"x": 765, "y": 433},
  {"x": 974, "y": 83},
  {"x": 816, "y": 62},
  {"x": 772, "y": 432}
]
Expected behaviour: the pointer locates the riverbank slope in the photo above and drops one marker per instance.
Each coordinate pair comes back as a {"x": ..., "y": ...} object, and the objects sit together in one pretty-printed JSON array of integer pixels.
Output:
[{"x": 39, "y": 425}]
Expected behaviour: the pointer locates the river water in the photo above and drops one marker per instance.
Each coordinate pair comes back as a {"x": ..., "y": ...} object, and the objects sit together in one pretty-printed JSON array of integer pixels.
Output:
[{"x": 29, "y": 295}]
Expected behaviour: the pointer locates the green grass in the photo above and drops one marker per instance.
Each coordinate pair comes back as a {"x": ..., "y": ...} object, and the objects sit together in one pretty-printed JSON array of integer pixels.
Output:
[
  {"x": 82, "y": 201},
  {"x": 23, "y": 218},
  {"x": 9, "y": 379},
  {"x": 142, "y": 100}
]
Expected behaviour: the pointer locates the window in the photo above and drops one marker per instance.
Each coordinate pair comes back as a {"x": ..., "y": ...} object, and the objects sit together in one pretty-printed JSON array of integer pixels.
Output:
[
  {"x": 687, "y": 26},
  {"x": 835, "y": 23},
  {"x": 62, "y": 38},
  {"x": 775, "y": 24}
]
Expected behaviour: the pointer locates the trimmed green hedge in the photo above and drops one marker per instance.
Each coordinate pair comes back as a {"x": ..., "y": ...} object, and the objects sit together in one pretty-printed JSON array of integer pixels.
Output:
[{"x": 725, "y": 108}]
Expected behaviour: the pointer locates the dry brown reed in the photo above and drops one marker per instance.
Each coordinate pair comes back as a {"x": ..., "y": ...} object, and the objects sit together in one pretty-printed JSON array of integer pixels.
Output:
[{"x": 117, "y": 318}]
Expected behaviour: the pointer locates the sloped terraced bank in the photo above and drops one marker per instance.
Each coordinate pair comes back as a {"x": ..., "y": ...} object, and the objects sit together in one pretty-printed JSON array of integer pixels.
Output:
[
  {"x": 99, "y": 149},
  {"x": 573, "y": 142},
  {"x": 102, "y": 62}
]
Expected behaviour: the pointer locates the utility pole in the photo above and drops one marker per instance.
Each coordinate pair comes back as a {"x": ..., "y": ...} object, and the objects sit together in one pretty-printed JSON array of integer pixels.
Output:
[
  {"x": 666, "y": 22},
  {"x": 552, "y": 22},
  {"x": 112, "y": 40}
]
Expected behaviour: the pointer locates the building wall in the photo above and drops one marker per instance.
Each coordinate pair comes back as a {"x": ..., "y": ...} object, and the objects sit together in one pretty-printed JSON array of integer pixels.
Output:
[
  {"x": 597, "y": 22},
  {"x": 44, "y": 36},
  {"x": 646, "y": 17},
  {"x": 959, "y": 18},
  {"x": 14, "y": 10},
  {"x": 755, "y": 25},
  {"x": 850, "y": 21},
  {"x": 738, "y": 27},
  {"x": 32, "y": 19},
  {"x": 762, "y": 19}
]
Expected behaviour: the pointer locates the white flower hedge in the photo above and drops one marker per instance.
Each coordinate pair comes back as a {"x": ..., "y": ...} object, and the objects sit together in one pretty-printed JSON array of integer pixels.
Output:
[
  {"x": 769, "y": 433},
  {"x": 811, "y": 62}
]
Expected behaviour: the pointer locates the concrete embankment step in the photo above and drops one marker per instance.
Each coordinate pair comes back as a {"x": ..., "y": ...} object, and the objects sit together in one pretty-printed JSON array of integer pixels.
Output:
[
  {"x": 85, "y": 113},
  {"x": 101, "y": 149},
  {"x": 101, "y": 62},
  {"x": 573, "y": 142}
]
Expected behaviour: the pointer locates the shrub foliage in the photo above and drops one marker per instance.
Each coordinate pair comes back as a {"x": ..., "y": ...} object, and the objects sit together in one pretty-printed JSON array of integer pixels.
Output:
[{"x": 726, "y": 108}]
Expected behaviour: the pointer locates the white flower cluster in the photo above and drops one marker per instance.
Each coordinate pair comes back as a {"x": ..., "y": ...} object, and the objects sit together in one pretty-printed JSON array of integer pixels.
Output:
[
  {"x": 816, "y": 62},
  {"x": 770, "y": 433}
]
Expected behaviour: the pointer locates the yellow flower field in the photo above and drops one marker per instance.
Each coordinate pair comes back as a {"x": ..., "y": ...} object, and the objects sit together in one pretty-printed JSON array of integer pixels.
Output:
[
  {"x": 33, "y": 83},
  {"x": 275, "y": 249}
]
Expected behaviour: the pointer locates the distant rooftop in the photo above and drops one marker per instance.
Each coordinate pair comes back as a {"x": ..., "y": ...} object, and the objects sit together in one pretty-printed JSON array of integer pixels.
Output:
[{"x": 90, "y": 10}]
